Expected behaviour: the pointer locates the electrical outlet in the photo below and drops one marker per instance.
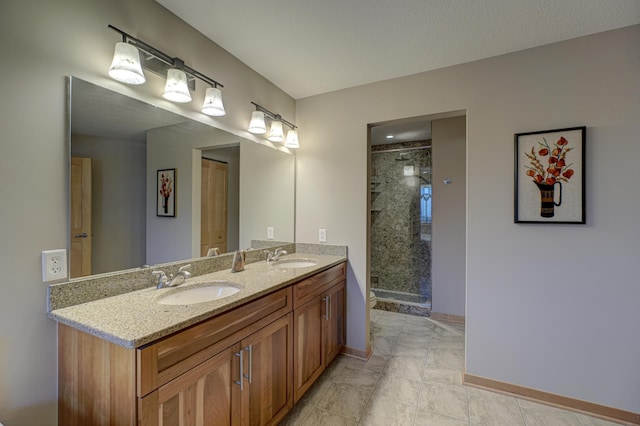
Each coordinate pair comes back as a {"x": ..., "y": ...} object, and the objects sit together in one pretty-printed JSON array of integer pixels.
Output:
[
  {"x": 54, "y": 265},
  {"x": 269, "y": 232},
  {"x": 322, "y": 235}
]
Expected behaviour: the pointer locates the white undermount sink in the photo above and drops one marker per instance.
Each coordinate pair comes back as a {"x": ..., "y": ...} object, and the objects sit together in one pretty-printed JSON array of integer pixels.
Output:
[
  {"x": 206, "y": 292},
  {"x": 294, "y": 263}
]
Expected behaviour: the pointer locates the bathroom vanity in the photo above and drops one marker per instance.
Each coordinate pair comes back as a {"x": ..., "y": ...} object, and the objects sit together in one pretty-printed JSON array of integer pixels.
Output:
[{"x": 244, "y": 359}]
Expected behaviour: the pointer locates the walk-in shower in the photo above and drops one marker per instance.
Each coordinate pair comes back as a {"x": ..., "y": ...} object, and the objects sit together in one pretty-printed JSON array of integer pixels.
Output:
[{"x": 400, "y": 234}]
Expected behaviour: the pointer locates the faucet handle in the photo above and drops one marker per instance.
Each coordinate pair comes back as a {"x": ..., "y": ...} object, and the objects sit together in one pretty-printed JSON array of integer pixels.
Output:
[
  {"x": 184, "y": 272},
  {"x": 162, "y": 277}
]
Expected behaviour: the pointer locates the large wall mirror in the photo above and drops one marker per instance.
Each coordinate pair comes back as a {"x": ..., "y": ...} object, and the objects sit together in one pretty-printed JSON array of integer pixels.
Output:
[{"x": 224, "y": 190}]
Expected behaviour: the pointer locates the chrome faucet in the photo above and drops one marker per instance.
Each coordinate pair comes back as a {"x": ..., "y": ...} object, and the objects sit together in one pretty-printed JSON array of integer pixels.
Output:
[
  {"x": 237, "y": 264},
  {"x": 171, "y": 281},
  {"x": 275, "y": 255}
]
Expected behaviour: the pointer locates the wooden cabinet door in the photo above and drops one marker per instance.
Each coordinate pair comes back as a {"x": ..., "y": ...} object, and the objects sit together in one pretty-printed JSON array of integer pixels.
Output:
[
  {"x": 206, "y": 395},
  {"x": 268, "y": 373},
  {"x": 308, "y": 360},
  {"x": 213, "y": 213},
  {"x": 334, "y": 325}
]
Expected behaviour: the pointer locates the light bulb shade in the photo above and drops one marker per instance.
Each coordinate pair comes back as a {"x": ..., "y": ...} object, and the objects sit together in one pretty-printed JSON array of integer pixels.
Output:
[
  {"x": 257, "y": 125},
  {"x": 275, "y": 133},
  {"x": 125, "y": 66},
  {"x": 292, "y": 139},
  {"x": 176, "y": 89},
  {"x": 213, "y": 102}
]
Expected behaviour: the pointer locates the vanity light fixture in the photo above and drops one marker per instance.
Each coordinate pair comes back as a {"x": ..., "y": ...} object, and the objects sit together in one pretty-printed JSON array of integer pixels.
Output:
[
  {"x": 213, "y": 102},
  {"x": 176, "y": 88},
  {"x": 127, "y": 67},
  {"x": 292, "y": 139},
  {"x": 257, "y": 124},
  {"x": 276, "y": 133}
]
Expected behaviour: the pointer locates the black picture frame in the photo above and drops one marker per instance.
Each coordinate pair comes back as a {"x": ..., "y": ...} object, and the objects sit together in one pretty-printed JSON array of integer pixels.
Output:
[
  {"x": 166, "y": 193},
  {"x": 549, "y": 182}
]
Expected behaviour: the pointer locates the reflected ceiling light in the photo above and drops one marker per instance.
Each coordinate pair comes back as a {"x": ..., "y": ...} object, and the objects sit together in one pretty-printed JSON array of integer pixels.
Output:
[
  {"x": 389, "y": 136},
  {"x": 276, "y": 133},
  {"x": 213, "y": 102},
  {"x": 292, "y": 139},
  {"x": 176, "y": 88},
  {"x": 127, "y": 67},
  {"x": 257, "y": 125}
]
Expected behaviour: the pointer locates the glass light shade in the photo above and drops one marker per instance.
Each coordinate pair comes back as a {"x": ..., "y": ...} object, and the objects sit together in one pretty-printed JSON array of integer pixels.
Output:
[
  {"x": 292, "y": 139},
  {"x": 257, "y": 123},
  {"x": 125, "y": 66},
  {"x": 213, "y": 102},
  {"x": 176, "y": 89},
  {"x": 275, "y": 133}
]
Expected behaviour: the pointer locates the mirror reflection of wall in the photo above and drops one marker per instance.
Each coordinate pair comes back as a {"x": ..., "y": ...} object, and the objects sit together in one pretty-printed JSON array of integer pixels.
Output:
[
  {"x": 127, "y": 141},
  {"x": 117, "y": 233}
]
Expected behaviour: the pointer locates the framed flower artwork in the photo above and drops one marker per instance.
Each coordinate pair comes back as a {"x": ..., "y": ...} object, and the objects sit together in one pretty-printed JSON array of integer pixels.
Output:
[
  {"x": 166, "y": 193},
  {"x": 550, "y": 176}
]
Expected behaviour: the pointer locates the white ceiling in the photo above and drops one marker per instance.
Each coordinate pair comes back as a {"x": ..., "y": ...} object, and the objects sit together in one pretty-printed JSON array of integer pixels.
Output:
[{"x": 309, "y": 47}]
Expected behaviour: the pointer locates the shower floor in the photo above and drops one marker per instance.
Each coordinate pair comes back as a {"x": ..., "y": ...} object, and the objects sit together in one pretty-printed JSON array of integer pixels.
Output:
[{"x": 406, "y": 303}]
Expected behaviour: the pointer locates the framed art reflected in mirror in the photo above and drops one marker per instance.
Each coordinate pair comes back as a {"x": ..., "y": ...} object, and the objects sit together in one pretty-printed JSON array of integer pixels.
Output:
[{"x": 166, "y": 193}]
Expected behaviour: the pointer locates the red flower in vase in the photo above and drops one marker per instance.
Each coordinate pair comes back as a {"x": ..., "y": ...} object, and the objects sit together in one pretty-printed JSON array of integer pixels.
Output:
[
  {"x": 166, "y": 185},
  {"x": 556, "y": 168}
]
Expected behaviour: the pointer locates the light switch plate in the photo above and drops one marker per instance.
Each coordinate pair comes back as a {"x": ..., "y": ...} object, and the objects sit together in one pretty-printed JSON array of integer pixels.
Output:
[
  {"x": 54, "y": 265},
  {"x": 269, "y": 232}
]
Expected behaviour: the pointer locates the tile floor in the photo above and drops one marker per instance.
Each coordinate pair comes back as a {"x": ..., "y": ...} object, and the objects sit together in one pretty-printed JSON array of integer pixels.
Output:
[{"x": 414, "y": 378}]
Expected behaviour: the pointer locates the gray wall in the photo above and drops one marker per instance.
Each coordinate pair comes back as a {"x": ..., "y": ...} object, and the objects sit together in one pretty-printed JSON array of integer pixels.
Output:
[
  {"x": 47, "y": 41},
  {"x": 550, "y": 307},
  {"x": 449, "y": 212},
  {"x": 117, "y": 201}
]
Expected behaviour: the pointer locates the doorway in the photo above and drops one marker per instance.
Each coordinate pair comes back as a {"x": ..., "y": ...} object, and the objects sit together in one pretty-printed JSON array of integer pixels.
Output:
[
  {"x": 417, "y": 219},
  {"x": 400, "y": 217},
  {"x": 213, "y": 217}
]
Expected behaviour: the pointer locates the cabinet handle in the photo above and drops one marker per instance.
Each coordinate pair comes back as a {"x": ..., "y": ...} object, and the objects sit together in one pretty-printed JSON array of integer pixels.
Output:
[
  {"x": 240, "y": 382},
  {"x": 330, "y": 316},
  {"x": 250, "y": 349},
  {"x": 326, "y": 307}
]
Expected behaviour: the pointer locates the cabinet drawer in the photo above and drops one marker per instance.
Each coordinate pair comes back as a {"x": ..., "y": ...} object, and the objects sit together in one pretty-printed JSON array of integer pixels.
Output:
[
  {"x": 307, "y": 289},
  {"x": 172, "y": 356}
]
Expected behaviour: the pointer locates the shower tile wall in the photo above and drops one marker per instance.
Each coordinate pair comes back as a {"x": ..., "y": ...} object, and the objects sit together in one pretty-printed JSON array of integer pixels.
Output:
[{"x": 400, "y": 243}]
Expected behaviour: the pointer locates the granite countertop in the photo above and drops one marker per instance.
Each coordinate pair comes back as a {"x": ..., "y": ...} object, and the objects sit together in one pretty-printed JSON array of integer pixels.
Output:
[{"x": 135, "y": 319}]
